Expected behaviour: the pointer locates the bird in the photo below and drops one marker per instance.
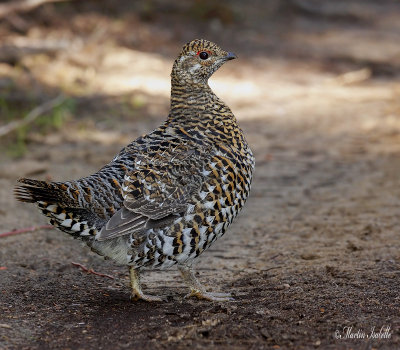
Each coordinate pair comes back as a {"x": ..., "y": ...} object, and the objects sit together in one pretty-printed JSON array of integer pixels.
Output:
[{"x": 168, "y": 195}]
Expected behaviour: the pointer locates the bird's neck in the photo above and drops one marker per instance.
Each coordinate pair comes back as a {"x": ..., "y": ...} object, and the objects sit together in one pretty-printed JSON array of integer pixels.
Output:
[
  {"x": 196, "y": 102},
  {"x": 189, "y": 96},
  {"x": 196, "y": 110}
]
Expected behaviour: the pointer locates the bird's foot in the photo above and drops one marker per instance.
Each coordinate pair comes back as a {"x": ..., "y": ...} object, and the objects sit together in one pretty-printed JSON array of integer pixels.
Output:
[
  {"x": 136, "y": 288},
  {"x": 197, "y": 290},
  {"x": 210, "y": 296},
  {"x": 135, "y": 296}
]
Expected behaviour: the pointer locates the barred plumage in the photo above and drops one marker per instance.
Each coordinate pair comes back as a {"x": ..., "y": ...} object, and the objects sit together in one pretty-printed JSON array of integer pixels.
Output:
[{"x": 167, "y": 196}]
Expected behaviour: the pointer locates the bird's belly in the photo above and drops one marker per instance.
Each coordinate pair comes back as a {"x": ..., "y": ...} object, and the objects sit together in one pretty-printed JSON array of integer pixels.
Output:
[
  {"x": 206, "y": 218},
  {"x": 116, "y": 249},
  {"x": 191, "y": 234}
]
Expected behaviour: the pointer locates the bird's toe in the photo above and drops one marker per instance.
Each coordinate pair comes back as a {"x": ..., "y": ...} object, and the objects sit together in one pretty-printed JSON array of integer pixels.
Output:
[
  {"x": 210, "y": 296},
  {"x": 147, "y": 297}
]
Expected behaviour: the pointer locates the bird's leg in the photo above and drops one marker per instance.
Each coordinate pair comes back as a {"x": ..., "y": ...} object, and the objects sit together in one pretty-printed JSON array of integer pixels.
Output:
[
  {"x": 197, "y": 290},
  {"x": 137, "y": 292}
]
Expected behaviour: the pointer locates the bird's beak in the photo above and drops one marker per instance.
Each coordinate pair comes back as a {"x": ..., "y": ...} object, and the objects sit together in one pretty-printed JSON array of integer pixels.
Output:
[{"x": 230, "y": 56}]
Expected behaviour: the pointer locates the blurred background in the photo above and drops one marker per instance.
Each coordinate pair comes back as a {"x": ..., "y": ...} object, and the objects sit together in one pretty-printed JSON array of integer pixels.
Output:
[
  {"x": 110, "y": 61},
  {"x": 316, "y": 90}
]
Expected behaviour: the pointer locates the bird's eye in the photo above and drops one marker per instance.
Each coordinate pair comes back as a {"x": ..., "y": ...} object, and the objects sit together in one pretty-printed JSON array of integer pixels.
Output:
[{"x": 203, "y": 55}]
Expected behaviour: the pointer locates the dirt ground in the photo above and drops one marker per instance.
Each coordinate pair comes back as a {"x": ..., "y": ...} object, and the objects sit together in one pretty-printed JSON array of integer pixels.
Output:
[{"x": 313, "y": 260}]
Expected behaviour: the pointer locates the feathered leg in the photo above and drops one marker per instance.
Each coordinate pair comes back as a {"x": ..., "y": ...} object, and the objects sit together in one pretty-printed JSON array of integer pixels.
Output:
[
  {"x": 137, "y": 292},
  {"x": 197, "y": 290}
]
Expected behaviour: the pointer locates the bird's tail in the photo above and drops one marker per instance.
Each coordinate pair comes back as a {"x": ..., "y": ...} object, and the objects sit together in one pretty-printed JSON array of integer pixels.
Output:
[
  {"x": 33, "y": 191},
  {"x": 60, "y": 203}
]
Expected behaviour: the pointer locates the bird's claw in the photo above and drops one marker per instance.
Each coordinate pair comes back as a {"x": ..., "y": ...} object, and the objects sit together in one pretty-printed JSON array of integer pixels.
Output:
[
  {"x": 146, "y": 297},
  {"x": 210, "y": 296}
]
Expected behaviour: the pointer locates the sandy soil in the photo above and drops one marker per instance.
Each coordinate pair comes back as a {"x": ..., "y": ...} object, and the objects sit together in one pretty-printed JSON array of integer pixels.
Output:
[{"x": 315, "y": 250}]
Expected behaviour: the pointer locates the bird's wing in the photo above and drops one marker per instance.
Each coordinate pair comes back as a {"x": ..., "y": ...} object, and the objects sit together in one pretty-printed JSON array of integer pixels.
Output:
[{"x": 158, "y": 190}]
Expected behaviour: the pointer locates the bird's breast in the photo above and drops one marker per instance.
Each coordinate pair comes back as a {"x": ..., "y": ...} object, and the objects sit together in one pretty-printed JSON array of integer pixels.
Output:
[{"x": 223, "y": 193}]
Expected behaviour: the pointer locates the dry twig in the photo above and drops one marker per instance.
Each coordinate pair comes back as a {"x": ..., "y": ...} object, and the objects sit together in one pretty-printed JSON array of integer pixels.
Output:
[
  {"x": 13, "y": 51},
  {"x": 25, "y": 230},
  {"x": 12, "y": 7},
  {"x": 32, "y": 115},
  {"x": 84, "y": 268}
]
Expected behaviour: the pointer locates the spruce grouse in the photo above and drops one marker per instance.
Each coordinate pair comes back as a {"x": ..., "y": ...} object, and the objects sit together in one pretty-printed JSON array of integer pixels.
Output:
[{"x": 168, "y": 195}]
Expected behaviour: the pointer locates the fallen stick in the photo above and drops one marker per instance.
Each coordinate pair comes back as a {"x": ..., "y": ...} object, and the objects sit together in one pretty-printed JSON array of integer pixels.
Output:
[
  {"x": 32, "y": 115},
  {"x": 84, "y": 268},
  {"x": 25, "y": 230},
  {"x": 22, "y": 6},
  {"x": 12, "y": 53}
]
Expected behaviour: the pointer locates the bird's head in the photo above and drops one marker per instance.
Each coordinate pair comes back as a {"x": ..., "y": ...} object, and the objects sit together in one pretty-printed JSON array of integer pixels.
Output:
[{"x": 198, "y": 60}]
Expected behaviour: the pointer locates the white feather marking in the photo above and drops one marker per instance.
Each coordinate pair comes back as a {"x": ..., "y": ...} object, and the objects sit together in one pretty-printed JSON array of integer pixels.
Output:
[
  {"x": 52, "y": 208},
  {"x": 202, "y": 230},
  {"x": 203, "y": 194},
  {"x": 190, "y": 208},
  {"x": 208, "y": 205},
  {"x": 167, "y": 248},
  {"x": 211, "y": 188},
  {"x": 61, "y": 216},
  {"x": 158, "y": 243},
  {"x": 218, "y": 227},
  {"x": 177, "y": 221},
  {"x": 85, "y": 232},
  {"x": 189, "y": 217},
  {"x": 186, "y": 231},
  {"x": 66, "y": 223},
  {"x": 210, "y": 219},
  {"x": 76, "y": 227},
  {"x": 194, "y": 68},
  {"x": 202, "y": 240}
]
